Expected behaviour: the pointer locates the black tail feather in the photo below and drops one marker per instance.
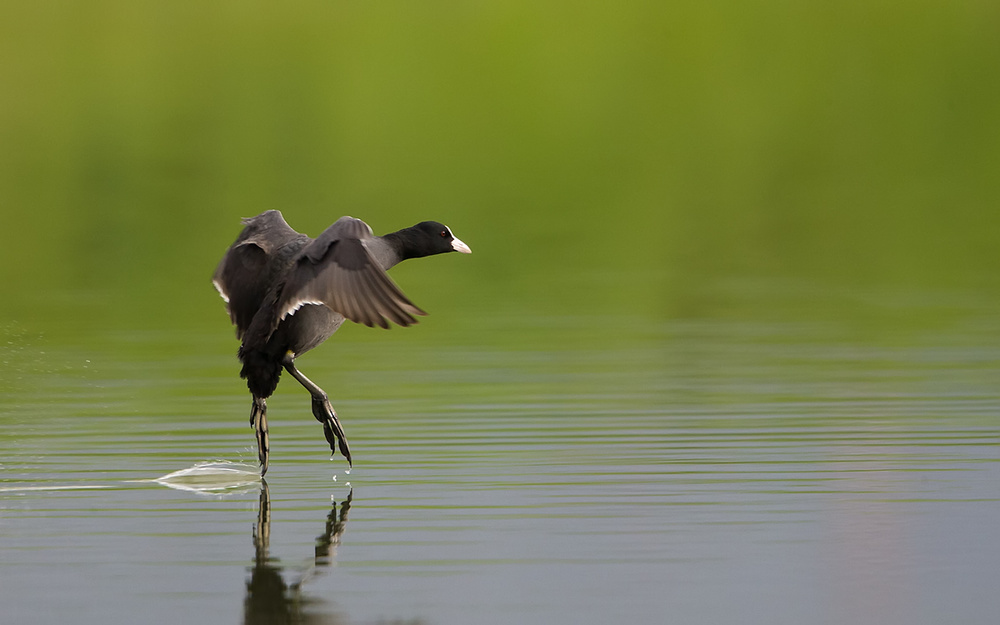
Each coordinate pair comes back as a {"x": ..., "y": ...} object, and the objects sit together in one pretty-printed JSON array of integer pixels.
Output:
[{"x": 260, "y": 370}]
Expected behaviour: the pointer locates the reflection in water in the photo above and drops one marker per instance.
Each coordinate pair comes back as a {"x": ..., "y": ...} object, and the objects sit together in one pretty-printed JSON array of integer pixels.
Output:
[
  {"x": 699, "y": 475},
  {"x": 269, "y": 598}
]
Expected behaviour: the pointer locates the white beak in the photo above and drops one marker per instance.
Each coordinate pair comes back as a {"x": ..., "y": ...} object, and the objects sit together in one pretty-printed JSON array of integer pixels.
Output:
[{"x": 458, "y": 246}]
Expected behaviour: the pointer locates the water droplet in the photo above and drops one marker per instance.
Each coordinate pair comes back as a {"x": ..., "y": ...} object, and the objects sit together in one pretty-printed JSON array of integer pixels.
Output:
[{"x": 334, "y": 478}]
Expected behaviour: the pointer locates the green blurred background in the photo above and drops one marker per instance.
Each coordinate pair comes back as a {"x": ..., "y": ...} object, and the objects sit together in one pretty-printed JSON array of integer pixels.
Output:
[{"x": 630, "y": 161}]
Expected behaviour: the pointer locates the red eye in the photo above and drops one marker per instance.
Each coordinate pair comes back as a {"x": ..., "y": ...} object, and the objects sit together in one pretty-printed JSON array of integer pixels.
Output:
[{"x": 444, "y": 234}]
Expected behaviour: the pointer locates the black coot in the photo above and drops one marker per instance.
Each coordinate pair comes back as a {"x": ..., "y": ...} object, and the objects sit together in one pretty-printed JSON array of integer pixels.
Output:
[{"x": 286, "y": 293}]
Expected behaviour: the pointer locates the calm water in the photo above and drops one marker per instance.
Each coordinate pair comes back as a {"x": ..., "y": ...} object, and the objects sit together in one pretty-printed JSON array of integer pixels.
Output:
[
  {"x": 706, "y": 471},
  {"x": 727, "y": 349}
]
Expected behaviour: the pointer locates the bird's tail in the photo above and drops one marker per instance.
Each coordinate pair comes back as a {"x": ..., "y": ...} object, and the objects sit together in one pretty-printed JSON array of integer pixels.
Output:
[{"x": 260, "y": 370}]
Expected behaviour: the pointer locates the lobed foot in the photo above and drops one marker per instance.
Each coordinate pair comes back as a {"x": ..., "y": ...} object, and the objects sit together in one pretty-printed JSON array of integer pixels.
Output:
[
  {"x": 324, "y": 413},
  {"x": 258, "y": 421}
]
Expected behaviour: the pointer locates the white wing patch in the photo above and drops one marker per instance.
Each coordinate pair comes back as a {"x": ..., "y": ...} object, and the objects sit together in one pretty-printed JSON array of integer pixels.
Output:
[
  {"x": 222, "y": 292},
  {"x": 294, "y": 305}
]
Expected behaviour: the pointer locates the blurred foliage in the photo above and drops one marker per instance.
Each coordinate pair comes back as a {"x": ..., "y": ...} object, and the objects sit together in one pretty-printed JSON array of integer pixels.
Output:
[{"x": 645, "y": 159}]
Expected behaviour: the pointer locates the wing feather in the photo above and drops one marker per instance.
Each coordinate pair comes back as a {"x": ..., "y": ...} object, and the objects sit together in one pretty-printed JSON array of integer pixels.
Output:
[
  {"x": 241, "y": 277},
  {"x": 367, "y": 311},
  {"x": 379, "y": 302},
  {"x": 394, "y": 304},
  {"x": 339, "y": 271}
]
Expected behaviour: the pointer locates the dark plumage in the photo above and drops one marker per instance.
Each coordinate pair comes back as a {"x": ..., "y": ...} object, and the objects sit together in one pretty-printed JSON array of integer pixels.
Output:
[{"x": 286, "y": 293}]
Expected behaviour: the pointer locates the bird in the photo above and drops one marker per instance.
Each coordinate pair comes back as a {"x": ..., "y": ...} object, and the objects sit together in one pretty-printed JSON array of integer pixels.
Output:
[{"x": 287, "y": 293}]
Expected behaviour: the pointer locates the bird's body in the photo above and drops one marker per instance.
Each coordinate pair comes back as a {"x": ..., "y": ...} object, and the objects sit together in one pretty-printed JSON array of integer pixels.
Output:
[{"x": 286, "y": 293}]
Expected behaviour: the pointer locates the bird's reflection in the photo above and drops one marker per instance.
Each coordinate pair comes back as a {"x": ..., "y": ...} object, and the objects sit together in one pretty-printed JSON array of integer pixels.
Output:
[{"x": 270, "y": 599}]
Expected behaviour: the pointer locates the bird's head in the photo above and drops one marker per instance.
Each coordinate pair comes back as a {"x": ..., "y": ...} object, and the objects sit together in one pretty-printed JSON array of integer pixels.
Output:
[{"x": 431, "y": 237}]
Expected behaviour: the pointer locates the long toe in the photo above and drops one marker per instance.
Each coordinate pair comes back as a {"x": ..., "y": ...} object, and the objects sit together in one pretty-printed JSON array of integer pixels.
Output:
[
  {"x": 332, "y": 429},
  {"x": 345, "y": 450},
  {"x": 258, "y": 420},
  {"x": 337, "y": 441}
]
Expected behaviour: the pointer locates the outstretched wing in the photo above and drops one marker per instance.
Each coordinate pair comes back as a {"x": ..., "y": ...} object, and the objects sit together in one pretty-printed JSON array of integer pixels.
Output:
[
  {"x": 337, "y": 270},
  {"x": 239, "y": 281},
  {"x": 241, "y": 277}
]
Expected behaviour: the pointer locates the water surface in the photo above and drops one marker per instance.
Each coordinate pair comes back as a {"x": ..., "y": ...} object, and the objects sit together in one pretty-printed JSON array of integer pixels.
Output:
[{"x": 700, "y": 471}]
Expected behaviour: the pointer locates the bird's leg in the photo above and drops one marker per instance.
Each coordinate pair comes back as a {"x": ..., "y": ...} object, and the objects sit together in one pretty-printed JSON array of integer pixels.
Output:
[
  {"x": 322, "y": 410},
  {"x": 258, "y": 421}
]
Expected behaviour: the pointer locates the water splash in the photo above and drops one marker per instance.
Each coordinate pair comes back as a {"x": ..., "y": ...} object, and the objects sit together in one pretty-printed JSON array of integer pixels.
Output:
[{"x": 212, "y": 477}]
